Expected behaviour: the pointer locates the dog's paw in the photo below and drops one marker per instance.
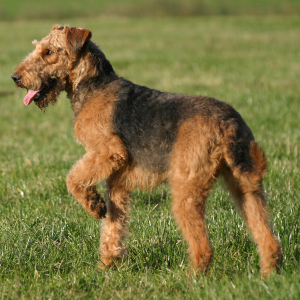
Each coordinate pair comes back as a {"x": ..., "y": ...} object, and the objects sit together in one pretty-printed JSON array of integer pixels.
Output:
[{"x": 98, "y": 206}]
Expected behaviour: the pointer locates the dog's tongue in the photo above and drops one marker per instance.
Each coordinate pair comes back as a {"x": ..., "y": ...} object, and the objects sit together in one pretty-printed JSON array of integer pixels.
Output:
[{"x": 30, "y": 96}]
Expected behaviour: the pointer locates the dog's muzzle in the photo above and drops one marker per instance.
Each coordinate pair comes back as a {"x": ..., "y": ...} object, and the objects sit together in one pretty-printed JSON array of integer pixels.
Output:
[{"x": 16, "y": 78}]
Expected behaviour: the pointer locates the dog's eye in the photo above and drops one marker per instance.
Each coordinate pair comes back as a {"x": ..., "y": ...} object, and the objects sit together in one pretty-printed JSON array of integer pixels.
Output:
[{"x": 48, "y": 52}]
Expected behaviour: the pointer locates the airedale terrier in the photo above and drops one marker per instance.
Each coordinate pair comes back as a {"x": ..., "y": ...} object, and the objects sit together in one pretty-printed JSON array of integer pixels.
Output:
[{"x": 135, "y": 136}]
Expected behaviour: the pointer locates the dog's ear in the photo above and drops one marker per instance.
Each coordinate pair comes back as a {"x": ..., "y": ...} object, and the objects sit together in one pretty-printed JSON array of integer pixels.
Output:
[
  {"x": 57, "y": 27},
  {"x": 76, "y": 38}
]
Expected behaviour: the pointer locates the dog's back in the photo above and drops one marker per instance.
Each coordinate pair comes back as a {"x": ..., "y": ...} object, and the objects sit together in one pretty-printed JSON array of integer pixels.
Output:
[{"x": 148, "y": 122}]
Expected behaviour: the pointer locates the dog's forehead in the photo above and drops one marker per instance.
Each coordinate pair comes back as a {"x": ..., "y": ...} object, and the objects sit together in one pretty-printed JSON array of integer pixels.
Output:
[{"x": 55, "y": 38}]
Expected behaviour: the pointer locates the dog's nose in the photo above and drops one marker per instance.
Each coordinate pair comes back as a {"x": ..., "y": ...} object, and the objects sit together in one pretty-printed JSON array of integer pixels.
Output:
[{"x": 16, "y": 78}]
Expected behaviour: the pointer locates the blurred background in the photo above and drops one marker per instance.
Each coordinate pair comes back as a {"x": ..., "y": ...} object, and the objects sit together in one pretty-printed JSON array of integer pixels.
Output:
[{"x": 33, "y": 9}]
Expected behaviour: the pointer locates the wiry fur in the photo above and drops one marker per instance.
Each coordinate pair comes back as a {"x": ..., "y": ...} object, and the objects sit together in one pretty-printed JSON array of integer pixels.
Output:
[{"x": 138, "y": 137}]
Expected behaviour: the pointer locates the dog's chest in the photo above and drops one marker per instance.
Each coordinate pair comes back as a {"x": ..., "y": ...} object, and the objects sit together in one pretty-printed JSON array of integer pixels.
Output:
[{"x": 92, "y": 125}]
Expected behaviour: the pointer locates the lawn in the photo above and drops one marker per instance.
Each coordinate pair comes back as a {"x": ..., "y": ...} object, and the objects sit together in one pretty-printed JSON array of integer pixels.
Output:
[
  {"x": 48, "y": 243},
  {"x": 34, "y": 9}
]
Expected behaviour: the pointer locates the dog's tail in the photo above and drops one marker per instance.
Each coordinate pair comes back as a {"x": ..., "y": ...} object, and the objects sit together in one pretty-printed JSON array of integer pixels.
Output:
[{"x": 247, "y": 163}]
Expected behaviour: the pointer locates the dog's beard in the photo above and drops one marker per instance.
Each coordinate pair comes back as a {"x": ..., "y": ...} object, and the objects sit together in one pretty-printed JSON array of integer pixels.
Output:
[{"x": 51, "y": 96}]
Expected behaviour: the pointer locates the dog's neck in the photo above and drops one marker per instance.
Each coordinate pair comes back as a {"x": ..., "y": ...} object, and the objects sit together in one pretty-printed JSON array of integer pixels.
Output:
[{"x": 90, "y": 72}]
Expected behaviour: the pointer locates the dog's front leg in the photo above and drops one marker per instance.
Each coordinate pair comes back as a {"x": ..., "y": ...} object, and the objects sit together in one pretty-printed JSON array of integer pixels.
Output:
[
  {"x": 114, "y": 227},
  {"x": 86, "y": 173}
]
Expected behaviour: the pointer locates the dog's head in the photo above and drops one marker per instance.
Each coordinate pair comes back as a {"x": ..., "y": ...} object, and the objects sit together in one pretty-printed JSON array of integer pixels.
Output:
[{"x": 45, "y": 71}]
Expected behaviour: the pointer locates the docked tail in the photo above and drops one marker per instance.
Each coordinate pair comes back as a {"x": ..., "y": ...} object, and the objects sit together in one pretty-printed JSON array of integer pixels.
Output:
[{"x": 250, "y": 168}]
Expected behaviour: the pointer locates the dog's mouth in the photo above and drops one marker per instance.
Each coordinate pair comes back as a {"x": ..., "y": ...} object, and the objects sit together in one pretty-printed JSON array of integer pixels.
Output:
[{"x": 38, "y": 95}]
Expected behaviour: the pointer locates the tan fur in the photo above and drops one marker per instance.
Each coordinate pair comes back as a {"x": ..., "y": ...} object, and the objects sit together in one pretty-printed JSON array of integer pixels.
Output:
[{"x": 202, "y": 151}]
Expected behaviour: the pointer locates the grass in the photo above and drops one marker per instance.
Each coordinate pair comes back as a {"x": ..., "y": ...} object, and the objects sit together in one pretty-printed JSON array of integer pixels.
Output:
[
  {"x": 33, "y": 9},
  {"x": 48, "y": 244}
]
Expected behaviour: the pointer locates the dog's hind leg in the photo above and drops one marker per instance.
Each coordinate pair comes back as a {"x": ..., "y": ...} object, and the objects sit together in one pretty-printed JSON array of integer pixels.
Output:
[
  {"x": 194, "y": 171},
  {"x": 247, "y": 190},
  {"x": 188, "y": 208}
]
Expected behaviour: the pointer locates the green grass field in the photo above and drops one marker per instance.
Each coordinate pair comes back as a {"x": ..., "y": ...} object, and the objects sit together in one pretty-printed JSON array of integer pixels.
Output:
[
  {"x": 48, "y": 244},
  {"x": 33, "y": 9}
]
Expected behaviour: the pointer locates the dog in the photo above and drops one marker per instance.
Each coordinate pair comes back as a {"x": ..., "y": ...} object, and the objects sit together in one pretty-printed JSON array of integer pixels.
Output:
[{"x": 135, "y": 136}]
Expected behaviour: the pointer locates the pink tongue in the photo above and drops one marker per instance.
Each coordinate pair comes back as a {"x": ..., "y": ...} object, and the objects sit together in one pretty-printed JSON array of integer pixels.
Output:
[{"x": 30, "y": 96}]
